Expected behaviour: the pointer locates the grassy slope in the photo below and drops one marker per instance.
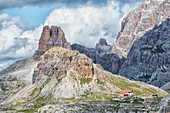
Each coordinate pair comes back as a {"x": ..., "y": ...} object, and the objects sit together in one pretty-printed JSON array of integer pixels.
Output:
[{"x": 139, "y": 88}]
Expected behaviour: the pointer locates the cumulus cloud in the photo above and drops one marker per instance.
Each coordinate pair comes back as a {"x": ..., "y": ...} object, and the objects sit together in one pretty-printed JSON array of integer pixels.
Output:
[
  {"x": 86, "y": 25},
  {"x": 15, "y": 42}
]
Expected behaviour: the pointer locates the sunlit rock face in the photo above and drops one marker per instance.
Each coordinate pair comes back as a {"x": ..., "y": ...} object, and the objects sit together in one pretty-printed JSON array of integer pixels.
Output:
[
  {"x": 58, "y": 62},
  {"x": 51, "y": 37},
  {"x": 138, "y": 22}
]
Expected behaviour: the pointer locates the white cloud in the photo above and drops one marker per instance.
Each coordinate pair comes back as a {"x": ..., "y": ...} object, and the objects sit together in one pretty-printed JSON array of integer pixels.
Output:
[
  {"x": 15, "y": 42},
  {"x": 86, "y": 25}
]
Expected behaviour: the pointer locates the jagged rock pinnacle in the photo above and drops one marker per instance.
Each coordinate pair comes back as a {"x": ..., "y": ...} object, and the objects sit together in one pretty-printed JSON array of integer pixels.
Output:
[{"x": 50, "y": 38}]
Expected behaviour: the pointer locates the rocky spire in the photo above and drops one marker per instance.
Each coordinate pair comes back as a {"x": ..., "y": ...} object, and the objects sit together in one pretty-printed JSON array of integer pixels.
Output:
[
  {"x": 138, "y": 22},
  {"x": 50, "y": 38},
  {"x": 102, "y": 42}
]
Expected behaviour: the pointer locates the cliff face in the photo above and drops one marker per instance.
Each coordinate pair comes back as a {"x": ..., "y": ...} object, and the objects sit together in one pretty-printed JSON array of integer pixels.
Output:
[
  {"x": 101, "y": 54},
  {"x": 50, "y": 38},
  {"x": 138, "y": 22},
  {"x": 141, "y": 51},
  {"x": 58, "y": 62},
  {"x": 149, "y": 57}
]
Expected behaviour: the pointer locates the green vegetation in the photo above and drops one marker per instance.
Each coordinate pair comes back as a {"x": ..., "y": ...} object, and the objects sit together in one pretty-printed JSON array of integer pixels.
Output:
[
  {"x": 83, "y": 80},
  {"x": 99, "y": 82},
  {"x": 14, "y": 79},
  {"x": 44, "y": 100},
  {"x": 34, "y": 91},
  {"x": 7, "y": 89},
  {"x": 137, "y": 92},
  {"x": 124, "y": 84},
  {"x": 27, "y": 111},
  {"x": 156, "y": 101},
  {"x": 59, "y": 80},
  {"x": 138, "y": 100}
]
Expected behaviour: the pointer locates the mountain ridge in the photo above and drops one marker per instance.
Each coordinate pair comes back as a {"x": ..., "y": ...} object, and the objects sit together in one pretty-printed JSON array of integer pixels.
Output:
[{"x": 60, "y": 76}]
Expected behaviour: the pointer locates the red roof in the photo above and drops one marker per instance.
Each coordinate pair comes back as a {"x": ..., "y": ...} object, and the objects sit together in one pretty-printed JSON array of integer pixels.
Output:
[{"x": 125, "y": 91}]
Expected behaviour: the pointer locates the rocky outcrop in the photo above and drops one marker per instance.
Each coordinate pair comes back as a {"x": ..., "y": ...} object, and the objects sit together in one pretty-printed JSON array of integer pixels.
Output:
[
  {"x": 50, "y": 38},
  {"x": 166, "y": 87},
  {"x": 58, "y": 62},
  {"x": 165, "y": 105},
  {"x": 101, "y": 54},
  {"x": 141, "y": 51},
  {"x": 148, "y": 59},
  {"x": 138, "y": 22}
]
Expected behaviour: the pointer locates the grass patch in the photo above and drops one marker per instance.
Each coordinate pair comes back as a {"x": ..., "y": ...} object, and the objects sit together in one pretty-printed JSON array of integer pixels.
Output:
[
  {"x": 44, "y": 100},
  {"x": 83, "y": 80},
  {"x": 14, "y": 79},
  {"x": 59, "y": 80},
  {"x": 34, "y": 91},
  {"x": 99, "y": 82},
  {"x": 27, "y": 111}
]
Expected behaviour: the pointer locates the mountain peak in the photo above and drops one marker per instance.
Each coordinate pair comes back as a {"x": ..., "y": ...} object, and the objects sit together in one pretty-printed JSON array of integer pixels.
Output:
[
  {"x": 59, "y": 61},
  {"x": 51, "y": 37},
  {"x": 102, "y": 42},
  {"x": 138, "y": 22}
]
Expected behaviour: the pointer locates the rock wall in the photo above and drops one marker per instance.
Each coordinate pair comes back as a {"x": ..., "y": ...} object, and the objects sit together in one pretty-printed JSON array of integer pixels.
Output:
[
  {"x": 101, "y": 54},
  {"x": 58, "y": 62},
  {"x": 138, "y": 22},
  {"x": 50, "y": 38},
  {"x": 149, "y": 58}
]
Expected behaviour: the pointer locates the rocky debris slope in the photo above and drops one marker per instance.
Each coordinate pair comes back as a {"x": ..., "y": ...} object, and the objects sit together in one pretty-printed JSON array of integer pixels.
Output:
[
  {"x": 165, "y": 105},
  {"x": 138, "y": 22},
  {"x": 100, "y": 107},
  {"x": 50, "y": 38},
  {"x": 101, "y": 54},
  {"x": 18, "y": 65},
  {"x": 148, "y": 59},
  {"x": 16, "y": 77}
]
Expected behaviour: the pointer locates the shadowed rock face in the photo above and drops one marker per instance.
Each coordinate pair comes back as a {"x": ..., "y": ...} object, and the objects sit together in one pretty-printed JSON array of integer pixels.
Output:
[
  {"x": 138, "y": 22},
  {"x": 50, "y": 38},
  {"x": 149, "y": 57},
  {"x": 101, "y": 54}
]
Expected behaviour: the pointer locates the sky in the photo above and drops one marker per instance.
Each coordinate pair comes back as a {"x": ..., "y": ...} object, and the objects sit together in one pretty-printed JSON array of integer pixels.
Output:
[{"x": 83, "y": 21}]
